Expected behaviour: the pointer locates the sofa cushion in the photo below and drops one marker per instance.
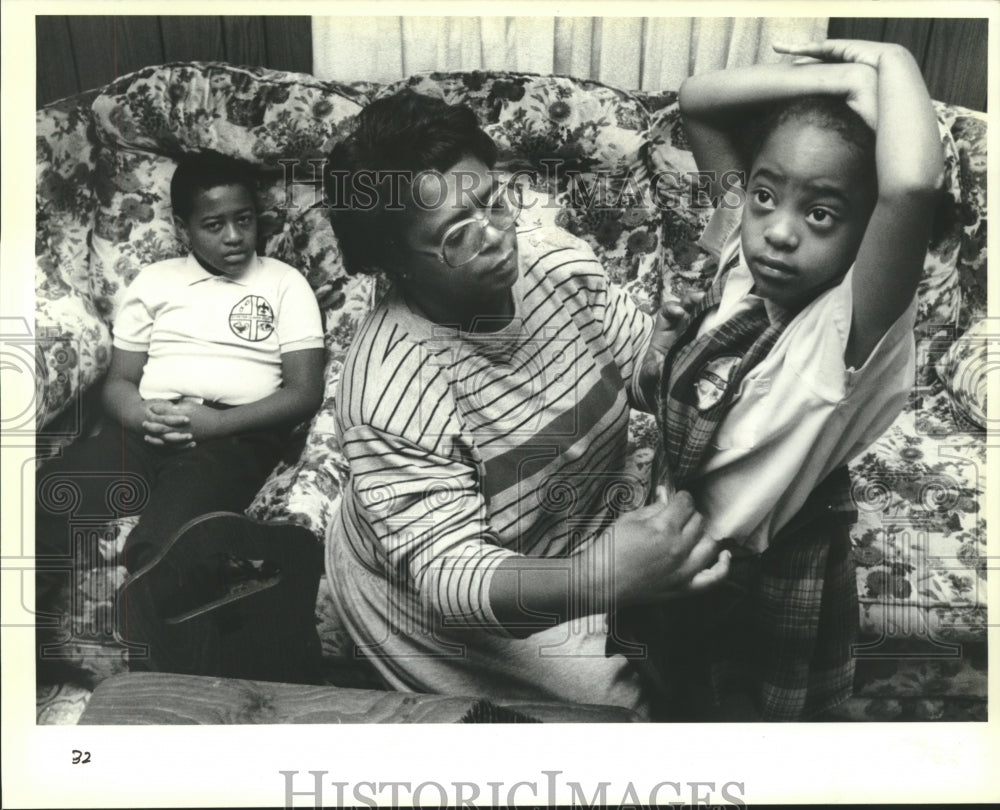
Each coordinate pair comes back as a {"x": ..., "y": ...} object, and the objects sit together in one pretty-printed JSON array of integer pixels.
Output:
[
  {"x": 255, "y": 114},
  {"x": 133, "y": 225},
  {"x": 587, "y": 126},
  {"x": 72, "y": 342},
  {"x": 65, "y": 157},
  {"x": 73, "y": 350},
  {"x": 963, "y": 370},
  {"x": 966, "y": 165},
  {"x": 920, "y": 539}
]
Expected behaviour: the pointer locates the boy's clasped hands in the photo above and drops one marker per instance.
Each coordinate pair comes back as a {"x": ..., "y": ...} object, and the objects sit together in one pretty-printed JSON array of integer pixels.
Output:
[{"x": 177, "y": 424}]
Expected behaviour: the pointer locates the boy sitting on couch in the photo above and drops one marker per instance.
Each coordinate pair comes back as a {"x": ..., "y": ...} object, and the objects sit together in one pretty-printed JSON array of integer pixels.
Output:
[{"x": 217, "y": 355}]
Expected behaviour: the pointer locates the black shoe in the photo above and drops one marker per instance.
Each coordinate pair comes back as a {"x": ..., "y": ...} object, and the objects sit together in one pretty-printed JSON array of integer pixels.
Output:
[{"x": 228, "y": 596}]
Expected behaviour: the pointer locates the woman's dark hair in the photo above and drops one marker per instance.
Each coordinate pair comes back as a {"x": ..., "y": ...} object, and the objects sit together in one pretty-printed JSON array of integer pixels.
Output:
[
  {"x": 825, "y": 111},
  {"x": 395, "y": 139},
  {"x": 204, "y": 171}
]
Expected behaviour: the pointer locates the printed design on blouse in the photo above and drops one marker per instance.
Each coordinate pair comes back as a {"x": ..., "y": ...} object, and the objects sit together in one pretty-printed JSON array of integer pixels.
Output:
[
  {"x": 252, "y": 319},
  {"x": 713, "y": 380}
]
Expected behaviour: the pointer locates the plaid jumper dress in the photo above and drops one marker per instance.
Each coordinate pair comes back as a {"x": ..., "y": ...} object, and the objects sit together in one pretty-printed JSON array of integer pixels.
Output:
[{"x": 774, "y": 641}]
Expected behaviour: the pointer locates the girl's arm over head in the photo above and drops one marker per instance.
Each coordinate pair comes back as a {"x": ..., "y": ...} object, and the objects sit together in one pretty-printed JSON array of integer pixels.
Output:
[
  {"x": 909, "y": 167},
  {"x": 718, "y": 106}
]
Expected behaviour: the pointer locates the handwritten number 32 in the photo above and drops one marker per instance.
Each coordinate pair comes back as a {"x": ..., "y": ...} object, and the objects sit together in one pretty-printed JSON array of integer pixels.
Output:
[{"x": 81, "y": 757}]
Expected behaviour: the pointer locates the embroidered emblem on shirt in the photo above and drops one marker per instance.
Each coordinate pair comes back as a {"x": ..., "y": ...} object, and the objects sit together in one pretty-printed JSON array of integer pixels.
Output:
[
  {"x": 713, "y": 380},
  {"x": 252, "y": 319}
]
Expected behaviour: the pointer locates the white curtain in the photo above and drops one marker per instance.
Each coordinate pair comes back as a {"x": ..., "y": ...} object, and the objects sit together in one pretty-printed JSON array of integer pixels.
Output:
[{"x": 633, "y": 53}]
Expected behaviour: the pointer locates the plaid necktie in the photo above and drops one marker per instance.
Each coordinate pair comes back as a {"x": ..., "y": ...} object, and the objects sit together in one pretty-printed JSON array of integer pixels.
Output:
[{"x": 694, "y": 398}]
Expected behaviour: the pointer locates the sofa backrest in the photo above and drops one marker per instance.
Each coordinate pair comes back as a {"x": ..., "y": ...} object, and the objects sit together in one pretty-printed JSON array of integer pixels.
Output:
[{"x": 105, "y": 160}]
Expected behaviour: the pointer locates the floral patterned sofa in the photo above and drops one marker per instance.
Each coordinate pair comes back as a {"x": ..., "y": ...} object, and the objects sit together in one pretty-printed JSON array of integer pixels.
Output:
[{"x": 615, "y": 170}]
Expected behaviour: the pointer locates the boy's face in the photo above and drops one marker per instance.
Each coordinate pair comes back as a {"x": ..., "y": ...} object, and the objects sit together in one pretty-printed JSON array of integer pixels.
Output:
[
  {"x": 222, "y": 229},
  {"x": 809, "y": 198}
]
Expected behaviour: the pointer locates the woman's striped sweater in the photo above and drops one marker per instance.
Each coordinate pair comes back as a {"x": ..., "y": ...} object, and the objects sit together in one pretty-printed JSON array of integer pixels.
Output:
[{"x": 465, "y": 448}]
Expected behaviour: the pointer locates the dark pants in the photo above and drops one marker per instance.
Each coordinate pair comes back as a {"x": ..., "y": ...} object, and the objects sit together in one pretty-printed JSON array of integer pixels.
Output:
[{"x": 117, "y": 473}]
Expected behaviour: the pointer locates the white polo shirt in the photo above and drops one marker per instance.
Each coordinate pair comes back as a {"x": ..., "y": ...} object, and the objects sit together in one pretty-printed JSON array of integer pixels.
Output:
[
  {"x": 800, "y": 413},
  {"x": 212, "y": 337}
]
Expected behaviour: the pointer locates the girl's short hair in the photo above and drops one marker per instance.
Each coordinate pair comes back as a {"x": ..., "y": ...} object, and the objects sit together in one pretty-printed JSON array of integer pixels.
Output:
[
  {"x": 825, "y": 111},
  {"x": 204, "y": 171},
  {"x": 395, "y": 139}
]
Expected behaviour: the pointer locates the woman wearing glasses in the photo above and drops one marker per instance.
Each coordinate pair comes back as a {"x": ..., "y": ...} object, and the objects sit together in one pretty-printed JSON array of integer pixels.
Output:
[{"x": 483, "y": 410}]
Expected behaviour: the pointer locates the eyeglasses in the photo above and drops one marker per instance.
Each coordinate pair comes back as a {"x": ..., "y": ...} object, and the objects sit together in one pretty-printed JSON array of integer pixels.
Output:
[{"x": 465, "y": 240}]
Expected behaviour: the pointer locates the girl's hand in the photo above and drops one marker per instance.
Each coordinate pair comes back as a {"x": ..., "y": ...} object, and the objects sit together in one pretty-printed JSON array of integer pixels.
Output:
[
  {"x": 862, "y": 95},
  {"x": 861, "y": 69},
  {"x": 671, "y": 321},
  {"x": 667, "y": 327},
  {"x": 843, "y": 50}
]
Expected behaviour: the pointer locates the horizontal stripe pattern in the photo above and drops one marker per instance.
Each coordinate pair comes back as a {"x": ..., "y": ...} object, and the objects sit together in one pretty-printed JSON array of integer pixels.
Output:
[{"x": 466, "y": 449}]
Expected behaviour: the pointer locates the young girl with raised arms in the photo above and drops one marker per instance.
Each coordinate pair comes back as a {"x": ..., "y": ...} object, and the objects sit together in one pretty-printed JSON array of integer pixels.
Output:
[{"x": 799, "y": 356}]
